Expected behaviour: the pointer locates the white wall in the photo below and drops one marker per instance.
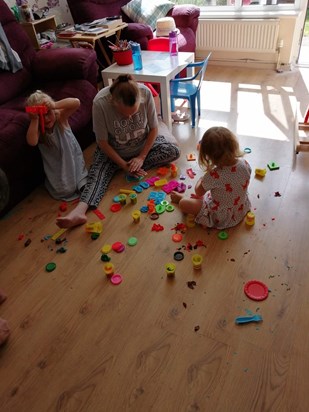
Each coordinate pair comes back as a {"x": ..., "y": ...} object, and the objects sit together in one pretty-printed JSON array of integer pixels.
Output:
[
  {"x": 59, "y": 8},
  {"x": 297, "y": 35}
]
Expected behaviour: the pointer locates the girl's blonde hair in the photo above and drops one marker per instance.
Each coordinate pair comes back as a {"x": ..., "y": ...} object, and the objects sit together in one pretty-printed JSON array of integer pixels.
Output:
[
  {"x": 36, "y": 99},
  {"x": 125, "y": 90},
  {"x": 218, "y": 147}
]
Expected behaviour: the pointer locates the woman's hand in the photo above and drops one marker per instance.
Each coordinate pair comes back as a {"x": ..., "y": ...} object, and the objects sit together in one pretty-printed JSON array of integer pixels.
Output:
[
  {"x": 135, "y": 164},
  {"x": 133, "y": 169}
]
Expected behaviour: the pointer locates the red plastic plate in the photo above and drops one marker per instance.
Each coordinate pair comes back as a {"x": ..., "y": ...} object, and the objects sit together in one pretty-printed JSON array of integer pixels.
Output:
[{"x": 256, "y": 290}]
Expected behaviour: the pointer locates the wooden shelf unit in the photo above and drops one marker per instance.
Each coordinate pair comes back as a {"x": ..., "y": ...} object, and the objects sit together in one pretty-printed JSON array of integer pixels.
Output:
[{"x": 36, "y": 27}]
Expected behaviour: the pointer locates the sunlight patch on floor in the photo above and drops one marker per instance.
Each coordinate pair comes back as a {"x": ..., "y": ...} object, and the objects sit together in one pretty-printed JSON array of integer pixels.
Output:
[
  {"x": 287, "y": 89},
  {"x": 205, "y": 123},
  {"x": 249, "y": 102},
  {"x": 249, "y": 86},
  {"x": 259, "y": 127},
  {"x": 218, "y": 92},
  {"x": 252, "y": 120},
  {"x": 258, "y": 108}
]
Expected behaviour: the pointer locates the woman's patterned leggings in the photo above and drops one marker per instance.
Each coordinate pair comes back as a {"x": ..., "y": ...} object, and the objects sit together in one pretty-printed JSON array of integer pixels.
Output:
[{"x": 103, "y": 169}]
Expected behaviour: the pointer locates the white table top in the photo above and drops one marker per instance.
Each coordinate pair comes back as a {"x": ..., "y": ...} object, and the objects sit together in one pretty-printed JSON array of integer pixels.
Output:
[{"x": 156, "y": 65}]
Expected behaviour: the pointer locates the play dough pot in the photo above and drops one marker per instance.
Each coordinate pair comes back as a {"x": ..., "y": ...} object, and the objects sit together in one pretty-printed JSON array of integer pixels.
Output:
[
  {"x": 197, "y": 261},
  {"x": 123, "y": 58},
  {"x": 170, "y": 269}
]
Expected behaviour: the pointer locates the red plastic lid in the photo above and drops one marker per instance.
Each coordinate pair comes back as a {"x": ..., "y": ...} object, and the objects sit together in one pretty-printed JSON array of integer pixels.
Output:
[
  {"x": 118, "y": 247},
  {"x": 115, "y": 207},
  {"x": 116, "y": 279},
  {"x": 177, "y": 237},
  {"x": 256, "y": 290}
]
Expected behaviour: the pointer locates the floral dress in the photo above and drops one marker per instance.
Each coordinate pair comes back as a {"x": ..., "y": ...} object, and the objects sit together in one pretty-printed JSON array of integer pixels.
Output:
[{"x": 226, "y": 201}]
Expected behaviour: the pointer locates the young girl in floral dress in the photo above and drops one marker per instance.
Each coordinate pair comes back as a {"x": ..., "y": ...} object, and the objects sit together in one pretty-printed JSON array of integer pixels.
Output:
[{"x": 221, "y": 196}]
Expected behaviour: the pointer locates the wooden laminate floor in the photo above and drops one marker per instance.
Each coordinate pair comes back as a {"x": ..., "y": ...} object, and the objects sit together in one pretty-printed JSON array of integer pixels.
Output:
[{"x": 79, "y": 343}]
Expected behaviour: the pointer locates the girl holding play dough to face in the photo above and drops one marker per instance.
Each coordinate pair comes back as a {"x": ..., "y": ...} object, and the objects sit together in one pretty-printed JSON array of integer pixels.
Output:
[{"x": 63, "y": 160}]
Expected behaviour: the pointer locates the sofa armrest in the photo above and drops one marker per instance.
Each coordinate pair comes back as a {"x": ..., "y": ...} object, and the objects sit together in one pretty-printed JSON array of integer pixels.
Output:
[
  {"x": 185, "y": 16},
  {"x": 66, "y": 63},
  {"x": 139, "y": 33}
]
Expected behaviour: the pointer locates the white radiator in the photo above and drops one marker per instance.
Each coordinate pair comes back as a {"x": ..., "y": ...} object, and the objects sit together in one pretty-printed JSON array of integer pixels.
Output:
[{"x": 241, "y": 35}]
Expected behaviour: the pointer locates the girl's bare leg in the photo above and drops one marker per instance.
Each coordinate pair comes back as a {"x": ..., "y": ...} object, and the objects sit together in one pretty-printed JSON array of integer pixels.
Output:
[
  {"x": 75, "y": 218},
  {"x": 187, "y": 205}
]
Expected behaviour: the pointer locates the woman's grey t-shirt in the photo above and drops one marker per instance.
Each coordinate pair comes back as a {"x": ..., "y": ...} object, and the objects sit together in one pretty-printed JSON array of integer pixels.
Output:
[{"x": 127, "y": 136}]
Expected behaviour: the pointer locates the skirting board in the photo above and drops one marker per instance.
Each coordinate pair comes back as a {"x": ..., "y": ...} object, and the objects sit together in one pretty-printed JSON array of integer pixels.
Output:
[{"x": 254, "y": 64}]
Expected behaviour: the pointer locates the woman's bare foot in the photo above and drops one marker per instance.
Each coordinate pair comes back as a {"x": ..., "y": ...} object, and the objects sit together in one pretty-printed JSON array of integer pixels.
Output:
[
  {"x": 75, "y": 218},
  {"x": 176, "y": 197}
]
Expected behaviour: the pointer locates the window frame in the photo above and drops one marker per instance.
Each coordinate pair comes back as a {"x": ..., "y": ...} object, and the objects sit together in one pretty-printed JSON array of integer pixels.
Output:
[{"x": 247, "y": 11}]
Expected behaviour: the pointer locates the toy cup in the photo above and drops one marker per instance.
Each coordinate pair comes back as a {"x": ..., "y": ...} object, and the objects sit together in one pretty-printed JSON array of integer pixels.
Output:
[
  {"x": 133, "y": 198},
  {"x": 122, "y": 199},
  {"x": 136, "y": 214},
  {"x": 197, "y": 261},
  {"x": 250, "y": 219},
  {"x": 109, "y": 269},
  {"x": 170, "y": 269}
]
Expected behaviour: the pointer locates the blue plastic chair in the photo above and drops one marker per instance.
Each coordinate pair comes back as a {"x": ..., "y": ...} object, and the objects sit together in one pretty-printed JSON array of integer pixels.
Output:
[{"x": 185, "y": 88}]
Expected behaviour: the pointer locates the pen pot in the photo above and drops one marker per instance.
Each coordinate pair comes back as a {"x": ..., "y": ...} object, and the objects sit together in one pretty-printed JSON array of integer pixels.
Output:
[{"x": 123, "y": 57}]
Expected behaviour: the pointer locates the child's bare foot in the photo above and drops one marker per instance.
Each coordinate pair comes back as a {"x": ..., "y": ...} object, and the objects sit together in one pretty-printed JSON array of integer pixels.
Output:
[
  {"x": 70, "y": 221},
  {"x": 75, "y": 218},
  {"x": 176, "y": 197}
]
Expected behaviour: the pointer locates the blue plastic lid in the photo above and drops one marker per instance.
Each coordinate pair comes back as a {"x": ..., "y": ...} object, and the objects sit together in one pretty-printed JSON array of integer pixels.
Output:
[{"x": 135, "y": 46}]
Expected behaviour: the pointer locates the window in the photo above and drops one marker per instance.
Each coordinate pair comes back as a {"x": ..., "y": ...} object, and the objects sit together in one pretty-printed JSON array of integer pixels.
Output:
[{"x": 241, "y": 4}]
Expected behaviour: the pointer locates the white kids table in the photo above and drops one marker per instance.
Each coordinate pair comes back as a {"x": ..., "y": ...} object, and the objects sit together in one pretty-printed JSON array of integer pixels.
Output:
[{"x": 158, "y": 67}]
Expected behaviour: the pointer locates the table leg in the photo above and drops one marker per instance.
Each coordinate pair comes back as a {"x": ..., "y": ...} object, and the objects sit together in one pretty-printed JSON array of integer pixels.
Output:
[
  {"x": 190, "y": 71},
  {"x": 108, "y": 61},
  {"x": 166, "y": 103},
  {"x": 106, "y": 80},
  {"x": 118, "y": 34}
]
